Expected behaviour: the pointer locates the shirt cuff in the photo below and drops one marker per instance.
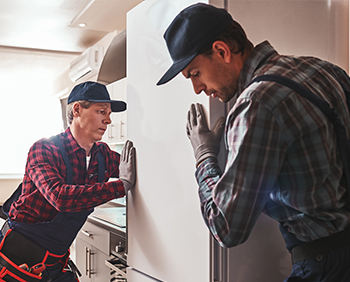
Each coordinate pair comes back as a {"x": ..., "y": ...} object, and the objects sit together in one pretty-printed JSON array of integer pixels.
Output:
[
  {"x": 207, "y": 174},
  {"x": 118, "y": 188},
  {"x": 208, "y": 166}
]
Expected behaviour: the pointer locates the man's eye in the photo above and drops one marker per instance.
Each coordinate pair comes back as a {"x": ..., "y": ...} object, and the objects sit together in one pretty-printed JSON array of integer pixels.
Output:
[{"x": 195, "y": 74}]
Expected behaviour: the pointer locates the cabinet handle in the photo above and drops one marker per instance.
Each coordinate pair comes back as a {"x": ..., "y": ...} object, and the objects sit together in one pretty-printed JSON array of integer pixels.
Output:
[
  {"x": 110, "y": 131},
  {"x": 86, "y": 233},
  {"x": 121, "y": 129},
  {"x": 88, "y": 254},
  {"x": 90, "y": 271},
  {"x": 86, "y": 261}
]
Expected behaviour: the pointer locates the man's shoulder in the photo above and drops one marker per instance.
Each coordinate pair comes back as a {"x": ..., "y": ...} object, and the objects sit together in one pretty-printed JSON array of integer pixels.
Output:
[
  {"x": 49, "y": 143},
  {"x": 43, "y": 142},
  {"x": 42, "y": 149}
]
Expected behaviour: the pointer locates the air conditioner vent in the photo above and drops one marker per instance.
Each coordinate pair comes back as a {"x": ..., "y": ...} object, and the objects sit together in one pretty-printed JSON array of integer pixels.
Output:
[{"x": 87, "y": 63}]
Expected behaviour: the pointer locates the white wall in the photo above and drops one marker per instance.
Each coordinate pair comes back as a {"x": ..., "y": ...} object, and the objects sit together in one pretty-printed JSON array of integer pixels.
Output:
[{"x": 28, "y": 109}]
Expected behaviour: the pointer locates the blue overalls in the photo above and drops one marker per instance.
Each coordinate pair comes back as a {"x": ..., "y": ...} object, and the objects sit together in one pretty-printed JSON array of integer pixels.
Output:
[{"x": 57, "y": 235}]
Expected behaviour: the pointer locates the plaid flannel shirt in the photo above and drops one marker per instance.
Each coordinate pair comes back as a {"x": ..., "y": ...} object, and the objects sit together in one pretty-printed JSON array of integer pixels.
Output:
[
  {"x": 44, "y": 188},
  {"x": 282, "y": 154}
]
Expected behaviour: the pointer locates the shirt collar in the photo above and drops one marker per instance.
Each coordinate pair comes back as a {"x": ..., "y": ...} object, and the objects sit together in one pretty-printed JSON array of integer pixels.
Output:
[
  {"x": 73, "y": 145},
  {"x": 256, "y": 58},
  {"x": 70, "y": 141}
]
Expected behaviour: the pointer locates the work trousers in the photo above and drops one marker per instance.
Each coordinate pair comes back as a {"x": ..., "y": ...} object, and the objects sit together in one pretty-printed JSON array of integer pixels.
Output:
[
  {"x": 333, "y": 266},
  {"x": 57, "y": 275}
]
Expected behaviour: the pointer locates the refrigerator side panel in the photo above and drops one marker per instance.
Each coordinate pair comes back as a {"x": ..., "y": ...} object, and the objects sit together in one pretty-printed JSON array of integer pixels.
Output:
[
  {"x": 318, "y": 28},
  {"x": 167, "y": 237},
  {"x": 263, "y": 257}
]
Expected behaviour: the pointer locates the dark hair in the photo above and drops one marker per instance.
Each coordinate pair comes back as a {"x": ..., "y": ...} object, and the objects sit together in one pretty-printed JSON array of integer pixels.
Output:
[{"x": 234, "y": 36}]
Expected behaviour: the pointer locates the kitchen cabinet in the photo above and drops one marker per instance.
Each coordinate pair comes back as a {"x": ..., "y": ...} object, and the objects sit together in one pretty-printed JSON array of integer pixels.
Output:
[
  {"x": 101, "y": 246},
  {"x": 91, "y": 262},
  {"x": 116, "y": 132},
  {"x": 92, "y": 250}
]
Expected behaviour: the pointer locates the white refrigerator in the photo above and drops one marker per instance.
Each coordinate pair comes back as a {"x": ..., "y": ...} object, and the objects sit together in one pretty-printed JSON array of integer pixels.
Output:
[{"x": 167, "y": 237}]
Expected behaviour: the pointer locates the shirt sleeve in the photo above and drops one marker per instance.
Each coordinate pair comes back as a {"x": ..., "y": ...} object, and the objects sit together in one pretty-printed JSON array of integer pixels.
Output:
[
  {"x": 344, "y": 80},
  {"x": 231, "y": 201},
  {"x": 43, "y": 168}
]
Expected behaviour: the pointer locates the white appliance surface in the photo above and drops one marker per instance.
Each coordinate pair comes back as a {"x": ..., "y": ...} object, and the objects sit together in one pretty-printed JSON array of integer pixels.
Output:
[
  {"x": 318, "y": 28},
  {"x": 167, "y": 237},
  {"x": 135, "y": 275}
]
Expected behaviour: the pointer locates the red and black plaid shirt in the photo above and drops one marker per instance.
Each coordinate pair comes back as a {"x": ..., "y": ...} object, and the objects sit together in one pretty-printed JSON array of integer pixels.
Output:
[{"x": 44, "y": 190}]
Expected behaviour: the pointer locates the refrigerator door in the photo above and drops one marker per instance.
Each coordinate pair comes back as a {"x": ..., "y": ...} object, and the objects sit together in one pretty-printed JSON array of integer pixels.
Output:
[
  {"x": 136, "y": 275},
  {"x": 167, "y": 237}
]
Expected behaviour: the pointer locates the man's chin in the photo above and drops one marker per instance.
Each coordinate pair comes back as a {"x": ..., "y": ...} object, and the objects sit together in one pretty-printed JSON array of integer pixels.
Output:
[
  {"x": 223, "y": 100},
  {"x": 98, "y": 138}
]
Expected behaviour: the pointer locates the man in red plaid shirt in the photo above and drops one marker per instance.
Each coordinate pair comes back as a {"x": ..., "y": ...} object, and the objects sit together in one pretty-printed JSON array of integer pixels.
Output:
[{"x": 57, "y": 195}]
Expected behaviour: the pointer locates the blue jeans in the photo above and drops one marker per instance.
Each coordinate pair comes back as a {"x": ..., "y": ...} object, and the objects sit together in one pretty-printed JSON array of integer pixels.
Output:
[{"x": 330, "y": 267}]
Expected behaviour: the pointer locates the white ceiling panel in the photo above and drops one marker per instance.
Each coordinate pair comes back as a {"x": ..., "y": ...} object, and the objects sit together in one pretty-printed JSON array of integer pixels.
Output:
[{"x": 53, "y": 24}]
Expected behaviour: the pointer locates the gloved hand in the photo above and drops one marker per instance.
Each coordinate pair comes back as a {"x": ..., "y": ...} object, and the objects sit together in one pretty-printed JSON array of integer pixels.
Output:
[
  {"x": 127, "y": 166},
  {"x": 205, "y": 143}
]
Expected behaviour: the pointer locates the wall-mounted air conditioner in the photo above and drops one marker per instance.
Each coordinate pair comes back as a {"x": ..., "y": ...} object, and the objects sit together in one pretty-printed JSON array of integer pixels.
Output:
[{"x": 87, "y": 63}]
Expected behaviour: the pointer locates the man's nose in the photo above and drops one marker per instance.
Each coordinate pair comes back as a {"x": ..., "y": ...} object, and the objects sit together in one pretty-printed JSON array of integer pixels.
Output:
[
  {"x": 108, "y": 120},
  {"x": 198, "y": 87}
]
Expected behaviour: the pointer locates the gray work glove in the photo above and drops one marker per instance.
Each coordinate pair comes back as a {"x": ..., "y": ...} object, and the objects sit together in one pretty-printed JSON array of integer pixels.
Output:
[
  {"x": 127, "y": 166},
  {"x": 205, "y": 143}
]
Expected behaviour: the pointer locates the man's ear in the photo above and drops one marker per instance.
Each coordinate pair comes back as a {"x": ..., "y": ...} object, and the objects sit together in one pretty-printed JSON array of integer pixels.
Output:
[
  {"x": 221, "y": 49},
  {"x": 76, "y": 109}
]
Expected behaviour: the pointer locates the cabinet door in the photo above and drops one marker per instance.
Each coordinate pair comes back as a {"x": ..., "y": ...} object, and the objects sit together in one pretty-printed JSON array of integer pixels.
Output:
[
  {"x": 81, "y": 248},
  {"x": 116, "y": 131},
  {"x": 91, "y": 263},
  {"x": 99, "y": 271}
]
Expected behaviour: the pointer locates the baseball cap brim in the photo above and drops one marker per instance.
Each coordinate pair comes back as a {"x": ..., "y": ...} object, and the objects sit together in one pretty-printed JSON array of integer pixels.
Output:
[
  {"x": 116, "y": 106},
  {"x": 175, "y": 69}
]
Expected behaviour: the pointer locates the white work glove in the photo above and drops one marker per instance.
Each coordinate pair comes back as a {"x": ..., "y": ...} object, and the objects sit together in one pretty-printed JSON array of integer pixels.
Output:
[
  {"x": 205, "y": 143},
  {"x": 127, "y": 166}
]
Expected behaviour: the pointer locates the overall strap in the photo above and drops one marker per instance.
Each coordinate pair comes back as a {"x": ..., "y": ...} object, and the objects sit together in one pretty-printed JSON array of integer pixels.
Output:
[
  {"x": 69, "y": 171},
  {"x": 343, "y": 142},
  {"x": 69, "y": 180},
  {"x": 101, "y": 167}
]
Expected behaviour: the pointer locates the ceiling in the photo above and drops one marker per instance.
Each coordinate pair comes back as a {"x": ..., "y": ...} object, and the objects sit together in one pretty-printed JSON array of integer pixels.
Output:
[{"x": 54, "y": 24}]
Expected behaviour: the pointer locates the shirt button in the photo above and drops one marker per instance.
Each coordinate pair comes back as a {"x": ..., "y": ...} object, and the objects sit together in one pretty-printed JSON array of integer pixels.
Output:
[{"x": 319, "y": 258}]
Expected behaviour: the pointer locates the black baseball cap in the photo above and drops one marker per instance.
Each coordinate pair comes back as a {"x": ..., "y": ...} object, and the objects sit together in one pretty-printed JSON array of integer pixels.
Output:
[
  {"x": 192, "y": 29},
  {"x": 95, "y": 92}
]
